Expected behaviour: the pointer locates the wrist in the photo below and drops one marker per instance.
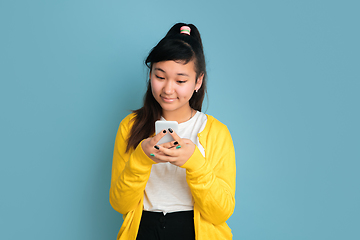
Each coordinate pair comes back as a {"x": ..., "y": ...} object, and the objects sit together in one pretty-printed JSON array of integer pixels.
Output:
[{"x": 195, "y": 162}]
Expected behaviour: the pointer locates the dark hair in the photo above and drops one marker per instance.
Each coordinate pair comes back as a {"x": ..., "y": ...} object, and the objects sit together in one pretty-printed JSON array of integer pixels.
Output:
[{"x": 174, "y": 46}]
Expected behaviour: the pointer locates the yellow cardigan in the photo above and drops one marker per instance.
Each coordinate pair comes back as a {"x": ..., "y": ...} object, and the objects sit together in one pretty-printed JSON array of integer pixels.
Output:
[{"x": 211, "y": 180}]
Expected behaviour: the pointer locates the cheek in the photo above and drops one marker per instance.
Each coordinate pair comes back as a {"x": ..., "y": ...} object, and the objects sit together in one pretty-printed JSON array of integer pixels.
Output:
[
  {"x": 186, "y": 91},
  {"x": 154, "y": 87}
]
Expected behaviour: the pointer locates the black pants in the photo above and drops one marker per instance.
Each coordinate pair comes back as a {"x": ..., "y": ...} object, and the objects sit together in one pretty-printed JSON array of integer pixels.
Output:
[{"x": 172, "y": 226}]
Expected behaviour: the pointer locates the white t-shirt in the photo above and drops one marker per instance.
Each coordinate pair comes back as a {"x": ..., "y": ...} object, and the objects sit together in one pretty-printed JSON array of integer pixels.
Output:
[{"x": 167, "y": 190}]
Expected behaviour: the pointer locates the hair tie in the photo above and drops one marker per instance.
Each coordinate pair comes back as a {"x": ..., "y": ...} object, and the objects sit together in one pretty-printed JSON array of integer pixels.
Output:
[{"x": 185, "y": 30}]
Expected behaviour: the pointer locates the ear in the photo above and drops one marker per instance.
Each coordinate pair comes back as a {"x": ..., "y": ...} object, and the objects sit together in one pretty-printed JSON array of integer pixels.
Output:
[{"x": 199, "y": 82}]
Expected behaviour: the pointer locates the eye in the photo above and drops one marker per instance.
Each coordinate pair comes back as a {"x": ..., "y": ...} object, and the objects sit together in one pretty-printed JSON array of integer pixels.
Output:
[
  {"x": 181, "y": 81},
  {"x": 159, "y": 77}
]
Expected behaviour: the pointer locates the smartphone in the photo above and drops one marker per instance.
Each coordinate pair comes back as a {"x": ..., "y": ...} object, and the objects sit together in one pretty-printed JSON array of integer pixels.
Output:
[{"x": 165, "y": 125}]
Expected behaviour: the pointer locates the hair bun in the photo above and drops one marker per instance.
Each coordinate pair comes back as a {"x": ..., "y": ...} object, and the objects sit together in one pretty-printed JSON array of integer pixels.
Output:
[{"x": 185, "y": 30}]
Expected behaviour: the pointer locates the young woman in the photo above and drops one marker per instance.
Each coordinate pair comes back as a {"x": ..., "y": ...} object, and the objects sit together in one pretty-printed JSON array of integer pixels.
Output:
[{"x": 183, "y": 189}]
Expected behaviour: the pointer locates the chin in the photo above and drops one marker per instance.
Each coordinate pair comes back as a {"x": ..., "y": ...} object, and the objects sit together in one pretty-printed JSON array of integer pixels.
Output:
[{"x": 168, "y": 108}]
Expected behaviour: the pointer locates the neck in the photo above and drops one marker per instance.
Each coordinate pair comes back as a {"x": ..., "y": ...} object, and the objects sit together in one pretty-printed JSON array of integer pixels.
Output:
[{"x": 179, "y": 116}]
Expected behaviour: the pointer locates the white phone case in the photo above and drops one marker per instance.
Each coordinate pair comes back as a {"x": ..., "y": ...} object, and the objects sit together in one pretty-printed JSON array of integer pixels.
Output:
[{"x": 165, "y": 125}]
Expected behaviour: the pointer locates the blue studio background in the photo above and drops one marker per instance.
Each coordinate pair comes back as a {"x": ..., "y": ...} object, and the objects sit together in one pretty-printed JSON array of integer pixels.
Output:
[{"x": 283, "y": 76}]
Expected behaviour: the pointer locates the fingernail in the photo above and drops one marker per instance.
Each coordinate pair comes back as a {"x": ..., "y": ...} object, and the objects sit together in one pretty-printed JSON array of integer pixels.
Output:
[
  {"x": 164, "y": 131},
  {"x": 151, "y": 154},
  {"x": 170, "y": 130},
  {"x": 178, "y": 147},
  {"x": 176, "y": 143},
  {"x": 156, "y": 147}
]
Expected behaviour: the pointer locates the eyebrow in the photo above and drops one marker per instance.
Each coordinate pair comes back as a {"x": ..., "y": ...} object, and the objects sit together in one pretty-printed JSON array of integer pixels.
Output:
[{"x": 180, "y": 74}]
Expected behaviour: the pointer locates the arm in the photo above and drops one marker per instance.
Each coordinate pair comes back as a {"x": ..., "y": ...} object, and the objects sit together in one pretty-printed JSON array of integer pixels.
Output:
[
  {"x": 212, "y": 179},
  {"x": 130, "y": 172}
]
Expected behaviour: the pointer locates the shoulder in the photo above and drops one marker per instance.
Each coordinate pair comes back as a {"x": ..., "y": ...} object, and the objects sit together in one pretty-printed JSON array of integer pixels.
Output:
[
  {"x": 128, "y": 119},
  {"x": 214, "y": 124},
  {"x": 214, "y": 131},
  {"x": 216, "y": 138},
  {"x": 126, "y": 124}
]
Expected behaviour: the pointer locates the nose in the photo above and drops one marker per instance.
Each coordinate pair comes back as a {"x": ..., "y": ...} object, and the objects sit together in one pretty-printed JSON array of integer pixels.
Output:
[{"x": 169, "y": 87}]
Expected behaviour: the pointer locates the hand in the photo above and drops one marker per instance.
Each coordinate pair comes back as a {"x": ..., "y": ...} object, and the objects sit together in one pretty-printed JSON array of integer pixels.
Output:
[
  {"x": 176, "y": 152},
  {"x": 148, "y": 145}
]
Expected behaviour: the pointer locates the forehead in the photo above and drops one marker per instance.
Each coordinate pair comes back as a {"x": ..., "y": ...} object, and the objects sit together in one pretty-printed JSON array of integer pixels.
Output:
[{"x": 175, "y": 67}]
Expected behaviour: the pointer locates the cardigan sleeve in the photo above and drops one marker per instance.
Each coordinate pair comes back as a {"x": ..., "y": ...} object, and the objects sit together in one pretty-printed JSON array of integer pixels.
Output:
[
  {"x": 212, "y": 178},
  {"x": 130, "y": 172}
]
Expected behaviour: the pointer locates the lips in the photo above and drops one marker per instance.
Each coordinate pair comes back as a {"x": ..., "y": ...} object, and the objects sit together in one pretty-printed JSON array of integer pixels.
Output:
[{"x": 168, "y": 99}]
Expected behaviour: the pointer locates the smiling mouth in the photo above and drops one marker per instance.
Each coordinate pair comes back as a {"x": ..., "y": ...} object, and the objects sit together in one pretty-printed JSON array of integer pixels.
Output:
[{"x": 165, "y": 99}]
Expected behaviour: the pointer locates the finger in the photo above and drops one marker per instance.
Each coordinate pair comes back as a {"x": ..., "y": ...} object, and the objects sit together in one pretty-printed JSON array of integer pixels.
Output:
[
  {"x": 169, "y": 152},
  {"x": 171, "y": 144},
  {"x": 157, "y": 137},
  {"x": 175, "y": 136},
  {"x": 166, "y": 145},
  {"x": 160, "y": 157}
]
